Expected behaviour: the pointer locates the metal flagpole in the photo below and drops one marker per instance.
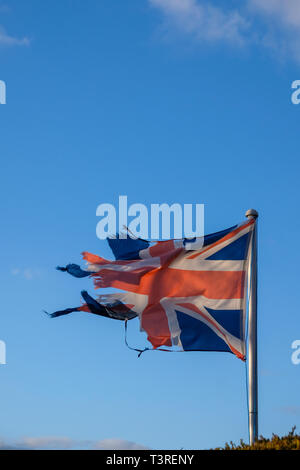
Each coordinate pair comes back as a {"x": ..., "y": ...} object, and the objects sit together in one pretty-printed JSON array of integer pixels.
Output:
[{"x": 252, "y": 337}]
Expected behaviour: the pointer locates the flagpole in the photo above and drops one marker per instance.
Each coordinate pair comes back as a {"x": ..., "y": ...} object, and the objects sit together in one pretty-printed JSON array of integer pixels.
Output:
[{"x": 252, "y": 337}]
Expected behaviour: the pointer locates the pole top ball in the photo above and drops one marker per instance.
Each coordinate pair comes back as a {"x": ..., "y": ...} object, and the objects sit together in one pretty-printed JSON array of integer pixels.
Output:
[{"x": 251, "y": 213}]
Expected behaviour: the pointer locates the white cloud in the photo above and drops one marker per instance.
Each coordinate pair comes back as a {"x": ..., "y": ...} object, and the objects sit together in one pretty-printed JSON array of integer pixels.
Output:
[
  {"x": 46, "y": 443},
  {"x": 38, "y": 443},
  {"x": 27, "y": 273},
  {"x": 65, "y": 443},
  {"x": 287, "y": 12},
  {"x": 278, "y": 27},
  {"x": 282, "y": 25},
  {"x": 203, "y": 20},
  {"x": 5, "y": 446},
  {"x": 8, "y": 40},
  {"x": 118, "y": 444}
]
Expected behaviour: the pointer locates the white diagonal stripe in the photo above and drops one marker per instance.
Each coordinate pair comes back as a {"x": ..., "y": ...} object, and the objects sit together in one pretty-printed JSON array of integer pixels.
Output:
[{"x": 199, "y": 264}]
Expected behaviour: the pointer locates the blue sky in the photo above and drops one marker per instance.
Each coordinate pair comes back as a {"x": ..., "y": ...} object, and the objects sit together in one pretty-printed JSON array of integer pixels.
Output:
[{"x": 164, "y": 101}]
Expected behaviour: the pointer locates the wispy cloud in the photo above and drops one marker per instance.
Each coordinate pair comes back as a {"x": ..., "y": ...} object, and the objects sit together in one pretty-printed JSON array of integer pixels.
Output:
[
  {"x": 286, "y": 12},
  {"x": 265, "y": 23},
  {"x": 8, "y": 40},
  {"x": 39, "y": 443},
  {"x": 203, "y": 20},
  {"x": 5, "y": 446},
  {"x": 291, "y": 410},
  {"x": 4, "y": 8},
  {"x": 65, "y": 443},
  {"x": 46, "y": 443},
  {"x": 282, "y": 25},
  {"x": 26, "y": 273},
  {"x": 118, "y": 444}
]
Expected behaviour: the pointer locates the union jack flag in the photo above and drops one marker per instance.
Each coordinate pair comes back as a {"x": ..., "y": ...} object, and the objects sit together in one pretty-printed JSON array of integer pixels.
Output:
[{"x": 188, "y": 294}]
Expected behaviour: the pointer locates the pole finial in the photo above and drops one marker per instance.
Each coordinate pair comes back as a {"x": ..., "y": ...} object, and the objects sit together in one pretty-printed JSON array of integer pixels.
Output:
[{"x": 251, "y": 213}]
